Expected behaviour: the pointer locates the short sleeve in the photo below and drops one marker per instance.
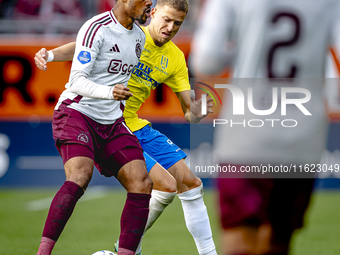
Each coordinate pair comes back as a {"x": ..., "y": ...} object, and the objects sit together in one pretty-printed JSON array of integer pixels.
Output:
[{"x": 179, "y": 80}]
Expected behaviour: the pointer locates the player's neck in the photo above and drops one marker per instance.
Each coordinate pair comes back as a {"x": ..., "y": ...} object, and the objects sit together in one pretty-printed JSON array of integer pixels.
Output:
[{"x": 121, "y": 15}]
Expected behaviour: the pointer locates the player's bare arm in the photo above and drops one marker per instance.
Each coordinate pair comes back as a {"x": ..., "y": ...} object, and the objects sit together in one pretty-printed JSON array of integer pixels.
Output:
[
  {"x": 61, "y": 54},
  {"x": 192, "y": 108},
  {"x": 65, "y": 53}
]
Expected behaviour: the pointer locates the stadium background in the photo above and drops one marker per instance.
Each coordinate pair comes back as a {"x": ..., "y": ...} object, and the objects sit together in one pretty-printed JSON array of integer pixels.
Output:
[{"x": 28, "y": 157}]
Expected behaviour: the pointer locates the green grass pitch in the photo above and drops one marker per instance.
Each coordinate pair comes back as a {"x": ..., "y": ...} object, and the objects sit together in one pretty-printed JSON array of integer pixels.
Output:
[{"x": 94, "y": 224}]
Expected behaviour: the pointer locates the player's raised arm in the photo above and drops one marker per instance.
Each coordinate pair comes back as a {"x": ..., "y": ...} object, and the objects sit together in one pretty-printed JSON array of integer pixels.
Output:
[
  {"x": 60, "y": 54},
  {"x": 66, "y": 53},
  {"x": 192, "y": 108}
]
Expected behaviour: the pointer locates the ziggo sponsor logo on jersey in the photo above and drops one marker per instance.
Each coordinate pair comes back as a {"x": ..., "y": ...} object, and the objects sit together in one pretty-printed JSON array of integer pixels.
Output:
[
  {"x": 238, "y": 99},
  {"x": 116, "y": 66}
]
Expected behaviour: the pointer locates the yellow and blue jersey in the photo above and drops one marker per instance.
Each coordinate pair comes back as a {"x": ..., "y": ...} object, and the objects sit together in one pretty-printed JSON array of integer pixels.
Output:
[{"x": 157, "y": 65}]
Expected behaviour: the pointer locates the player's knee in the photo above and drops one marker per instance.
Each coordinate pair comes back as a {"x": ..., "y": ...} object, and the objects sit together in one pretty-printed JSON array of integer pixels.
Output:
[
  {"x": 79, "y": 170},
  {"x": 170, "y": 185},
  {"x": 82, "y": 178},
  {"x": 146, "y": 185},
  {"x": 197, "y": 182},
  {"x": 142, "y": 184}
]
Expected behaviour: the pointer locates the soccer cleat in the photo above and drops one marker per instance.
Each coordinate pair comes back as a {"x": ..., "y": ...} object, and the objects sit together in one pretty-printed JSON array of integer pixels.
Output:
[{"x": 116, "y": 246}]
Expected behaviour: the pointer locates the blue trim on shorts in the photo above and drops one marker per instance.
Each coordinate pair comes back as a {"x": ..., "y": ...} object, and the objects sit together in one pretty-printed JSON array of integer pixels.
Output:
[
  {"x": 158, "y": 148},
  {"x": 149, "y": 161}
]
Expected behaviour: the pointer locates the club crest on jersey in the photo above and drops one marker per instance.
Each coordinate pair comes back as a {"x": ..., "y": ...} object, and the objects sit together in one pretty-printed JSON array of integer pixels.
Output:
[
  {"x": 164, "y": 62},
  {"x": 84, "y": 57},
  {"x": 83, "y": 138},
  {"x": 138, "y": 50}
]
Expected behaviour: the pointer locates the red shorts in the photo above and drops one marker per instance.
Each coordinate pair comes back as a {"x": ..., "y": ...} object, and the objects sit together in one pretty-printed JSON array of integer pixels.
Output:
[
  {"x": 251, "y": 202},
  {"x": 109, "y": 146}
]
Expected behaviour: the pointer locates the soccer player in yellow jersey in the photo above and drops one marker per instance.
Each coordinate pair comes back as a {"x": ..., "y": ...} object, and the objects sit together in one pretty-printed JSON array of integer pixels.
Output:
[{"x": 161, "y": 62}]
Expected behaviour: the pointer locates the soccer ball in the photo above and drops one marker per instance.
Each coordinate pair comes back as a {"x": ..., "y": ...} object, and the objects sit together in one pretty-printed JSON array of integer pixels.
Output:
[{"x": 104, "y": 252}]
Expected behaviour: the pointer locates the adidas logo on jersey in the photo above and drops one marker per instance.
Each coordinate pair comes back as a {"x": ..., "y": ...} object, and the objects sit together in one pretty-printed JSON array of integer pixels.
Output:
[{"x": 115, "y": 48}]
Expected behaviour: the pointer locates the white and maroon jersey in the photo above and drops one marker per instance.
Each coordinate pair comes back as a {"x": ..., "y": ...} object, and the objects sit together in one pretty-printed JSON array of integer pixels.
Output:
[
  {"x": 274, "y": 39},
  {"x": 106, "y": 54}
]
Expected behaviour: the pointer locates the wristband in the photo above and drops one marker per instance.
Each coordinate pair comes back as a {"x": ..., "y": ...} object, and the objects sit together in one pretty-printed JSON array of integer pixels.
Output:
[
  {"x": 192, "y": 94},
  {"x": 50, "y": 56}
]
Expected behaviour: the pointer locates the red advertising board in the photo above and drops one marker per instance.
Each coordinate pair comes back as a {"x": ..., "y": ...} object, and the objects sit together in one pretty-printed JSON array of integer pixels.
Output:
[{"x": 27, "y": 92}]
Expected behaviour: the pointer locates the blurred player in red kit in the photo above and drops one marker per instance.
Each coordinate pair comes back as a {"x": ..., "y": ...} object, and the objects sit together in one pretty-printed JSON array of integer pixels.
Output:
[{"x": 277, "y": 44}]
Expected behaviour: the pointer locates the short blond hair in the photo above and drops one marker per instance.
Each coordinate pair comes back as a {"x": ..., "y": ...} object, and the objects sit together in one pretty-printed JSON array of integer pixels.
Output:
[{"x": 179, "y": 5}]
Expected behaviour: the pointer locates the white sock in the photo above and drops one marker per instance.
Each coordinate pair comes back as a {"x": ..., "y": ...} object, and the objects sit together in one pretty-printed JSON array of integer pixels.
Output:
[
  {"x": 158, "y": 202},
  {"x": 197, "y": 220}
]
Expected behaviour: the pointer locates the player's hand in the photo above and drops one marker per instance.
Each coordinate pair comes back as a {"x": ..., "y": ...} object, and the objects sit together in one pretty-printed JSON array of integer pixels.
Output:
[
  {"x": 196, "y": 106},
  {"x": 120, "y": 92},
  {"x": 40, "y": 59}
]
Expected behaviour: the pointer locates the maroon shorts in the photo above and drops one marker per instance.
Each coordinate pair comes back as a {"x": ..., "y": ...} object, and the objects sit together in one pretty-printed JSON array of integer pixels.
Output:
[
  {"x": 109, "y": 146},
  {"x": 251, "y": 202}
]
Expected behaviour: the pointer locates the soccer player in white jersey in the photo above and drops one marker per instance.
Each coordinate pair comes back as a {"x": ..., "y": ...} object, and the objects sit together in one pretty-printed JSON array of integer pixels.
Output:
[
  {"x": 88, "y": 124},
  {"x": 162, "y": 157},
  {"x": 283, "y": 40}
]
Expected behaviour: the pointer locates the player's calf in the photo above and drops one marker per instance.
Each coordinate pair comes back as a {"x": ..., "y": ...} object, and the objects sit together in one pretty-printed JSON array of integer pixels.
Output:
[
  {"x": 60, "y": 211},
  {"x": 136, "y": 181},
  {"x": 197, "y": 220}
]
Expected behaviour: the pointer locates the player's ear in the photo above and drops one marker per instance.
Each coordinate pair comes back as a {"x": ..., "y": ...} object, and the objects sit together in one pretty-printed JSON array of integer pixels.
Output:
[{"x": 153, "y": 12}]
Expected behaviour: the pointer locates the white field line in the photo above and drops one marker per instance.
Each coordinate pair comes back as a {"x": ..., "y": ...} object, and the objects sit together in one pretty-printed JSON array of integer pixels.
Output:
[
  {"x": 44, "y": 203},
  {"x": 40, "y": 163}
]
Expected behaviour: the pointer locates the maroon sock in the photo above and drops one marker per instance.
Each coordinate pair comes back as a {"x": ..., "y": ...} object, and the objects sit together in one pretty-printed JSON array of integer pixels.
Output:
[
  {"x": 61, "y": 209},
  {"x": 133, "y": 221}
]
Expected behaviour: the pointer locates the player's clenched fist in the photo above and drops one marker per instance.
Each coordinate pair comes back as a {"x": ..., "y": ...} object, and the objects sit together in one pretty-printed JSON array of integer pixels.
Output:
[
  {"x": 120, "y": 92},
  {"x": 196, "y": 106},
  {"x": 40, "y": 59}
]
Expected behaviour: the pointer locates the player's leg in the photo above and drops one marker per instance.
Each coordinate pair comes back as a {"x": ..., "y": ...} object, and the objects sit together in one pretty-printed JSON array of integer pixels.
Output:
[
  {"x": 78, "y": 164},
  {"x": 170, "y": 156},
  {"x": 122, "y": 157},
  {"x": 243, "y": 209},
  {"x": 190, "y": 192},
  {"x": 287, "y": 205},
  {"x": 239, "y": 240},
  {"x": 163, "y": 192},
  {"x": 134, "y": 178},
  {"x": 78, "y": 171}
]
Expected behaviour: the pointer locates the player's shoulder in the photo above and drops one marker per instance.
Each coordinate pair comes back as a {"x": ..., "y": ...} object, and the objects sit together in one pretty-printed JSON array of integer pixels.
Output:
[
  {"x": 92, "y": 29},
  {"x": 138, "y": 29},
  {"x": 101, "y": 19},
  {"x": 173, "y": 50}
]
